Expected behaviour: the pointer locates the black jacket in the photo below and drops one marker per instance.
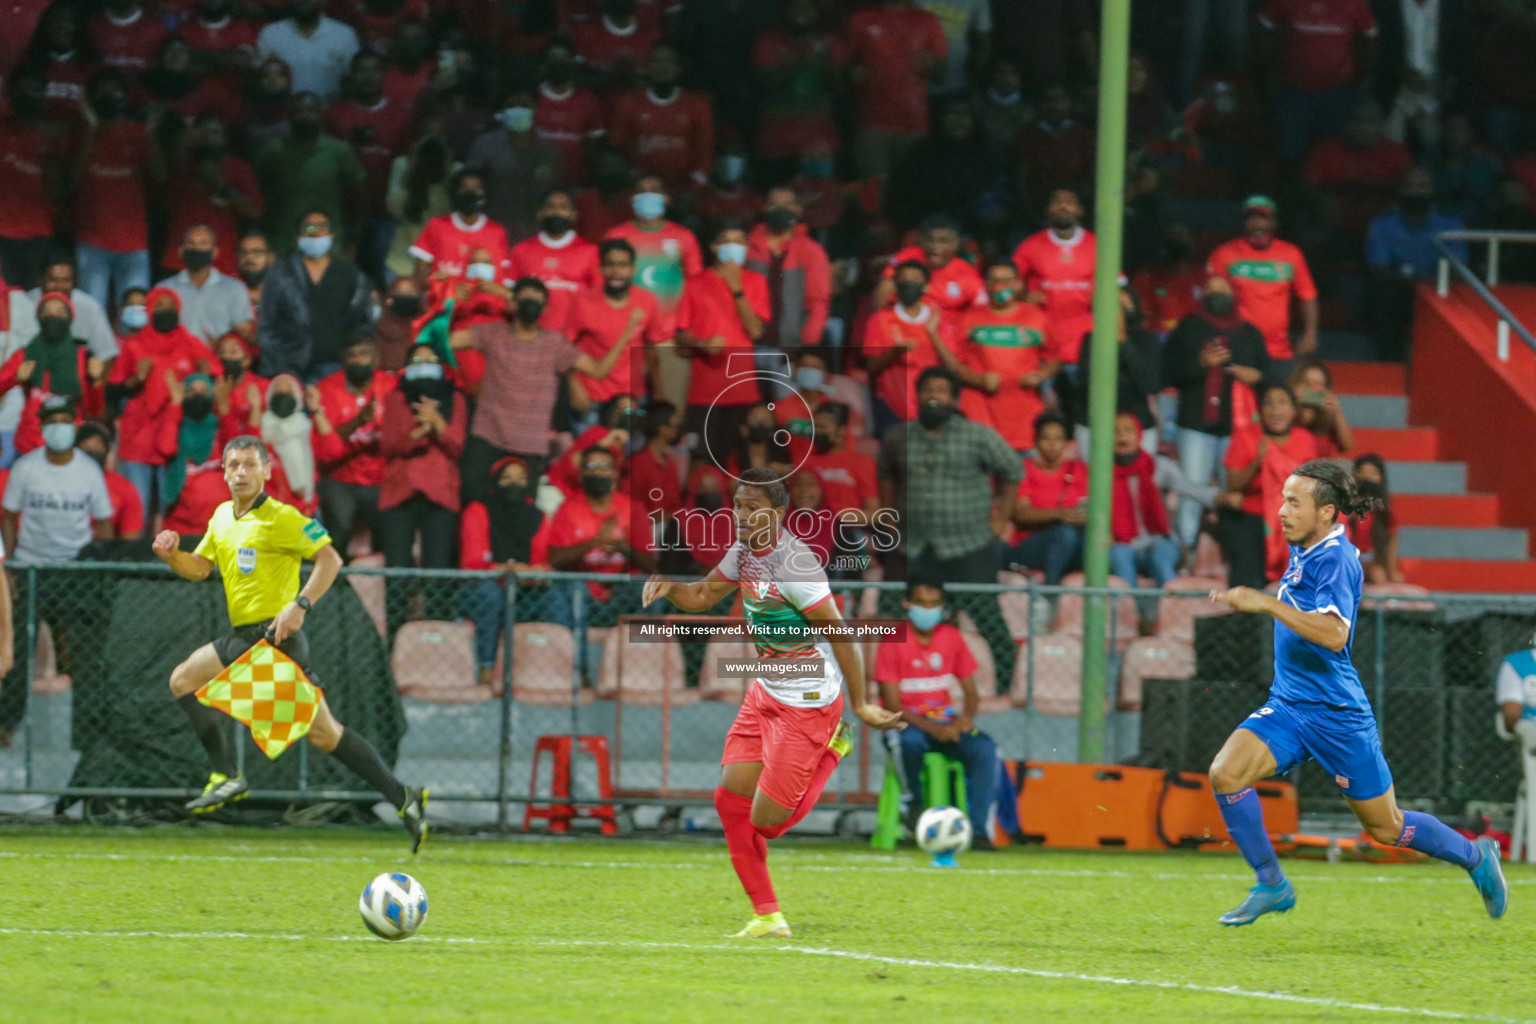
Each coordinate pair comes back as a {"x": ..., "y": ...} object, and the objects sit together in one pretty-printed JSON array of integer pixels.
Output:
[
  {"x": 286, "y": 324},
  {"x": 1182, "y": 369},
  {"x": 1135, "y": 382}
]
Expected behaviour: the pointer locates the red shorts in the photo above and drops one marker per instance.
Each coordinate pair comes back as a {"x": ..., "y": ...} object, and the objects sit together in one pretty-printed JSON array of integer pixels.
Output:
[{"x": 788, "y": 741}]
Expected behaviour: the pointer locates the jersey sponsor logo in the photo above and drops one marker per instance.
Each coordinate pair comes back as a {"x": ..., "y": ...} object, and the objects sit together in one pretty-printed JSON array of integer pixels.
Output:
[
  {"x": 313, "y": 530},
  {"x": 1262, "y": 270},
  {"x": 1000, "y": 336},
  {"x": 935, "y": 659},
  {"x": 1342, "y": 781},
  {"x": 811, "y": 695},
  {"x": 245, "y": 560}
]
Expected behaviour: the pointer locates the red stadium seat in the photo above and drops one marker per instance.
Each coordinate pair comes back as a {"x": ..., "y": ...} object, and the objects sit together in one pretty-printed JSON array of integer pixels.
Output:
[
  {"x": 1396, "y": 596},
  {"x": 543, "y": 664},
  {"x": 370, "y": 589},
  {"x": 1152, "y": 658},
  {"x": 1208, "y": 559},
  {"x": 46, "y": 677},
  {"x": 1069, "y": 611},
  {"x": 435, "y": 661},
  {"x": 1057, "y": 660},
  {"x": 643, "y": 673},
  {"x": 1176, "y": 615},
  {"x": 986, "y": 675}
]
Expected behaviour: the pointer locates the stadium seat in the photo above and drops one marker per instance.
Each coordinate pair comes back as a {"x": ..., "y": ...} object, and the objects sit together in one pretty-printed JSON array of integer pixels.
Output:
[
  {"x": 1069, "y": 611},
  {"x": 990, "y": 702},
  {"x": 729, "y": 689},
  {"x": 1396, "y": 596},
  {"x": 543, "y": 664},
  {"x": 1014, "y": 605},
  {"x": 1152, "y": 657},
  {"x": 370, "y": 589},
  {"x": 1176, "y": 615},
  {"x": 435, "y": 661},
  {"x": 1058, "y": 668},
  {"x": 1208, "y": 559},
  {"x": 643, "y": 673}
]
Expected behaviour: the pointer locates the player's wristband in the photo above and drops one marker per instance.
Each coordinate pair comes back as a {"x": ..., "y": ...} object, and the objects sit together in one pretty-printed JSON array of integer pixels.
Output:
[{"x": 304, "y": 602}]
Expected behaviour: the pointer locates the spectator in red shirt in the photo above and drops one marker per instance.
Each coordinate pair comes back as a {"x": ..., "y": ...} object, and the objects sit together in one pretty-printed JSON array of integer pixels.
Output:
[
  {"x": 1006, "y": 348},
  {"x": 347, "y": 408},
  {"x": 567, "y": 115},
  {"x": 1266, "y": 273},
  {"x": 95, "y": 439},
  {"x": 1319, "y": 50},
  {"x": 1360, "y": 170},
  {"x": 496, "y": 533},
  {"x": 899, "y": 345},
  {"x": 727, "y": 196},
  {"x": 612, "y": 431},
  {"x": 1051, "y": 508},
  {"x": 655, "y": 482},
  {"x": 237, "y": 391},
  {"x": 117, "y": 158},
  {"x": 558, "y": 256},
  {"x": 1139, "y": 528},
  {"x": 61, "y": 52},
  {"x": 953, "y": 284},
  {"x": 896, "y": 50},
  {"x": 665, "y": 129},
  {"x": 185, "y": 90},
  {"x": 1375, "y": 535},
  {"x": 126, "y": 36},
  {"x": 1170, "y": 289},
  {"x": 1258, "y": 461},
  {"x": 213, "y": 188},
  {"x": 919, "y": 675},
  {"x": 52, "y": 362},
  {"x": 797, "y": 270},
  {"x": 608, "y": 203},
  {"x": 613, "y": 316},
  {"x": 1318, "y": 410},
  {"x": 422, "y": 438},
  {"x": 375, "y": 126},
  {"x": 31, "y": 176},
  {"x": 188, "y": 435},
  {"x": 447, "y": 244},
  {"x": 666, "y": 253},
  {"x": 718, "y": 325},
  {"x": 1056, "y": 266},
  {"x": 799, "y": 69},
  {"x": 613, "y": 46},
  {"x": 1055, "y": 151},
  {"x": 847, "y": 476},
  {"x": 221, "y": 41}
]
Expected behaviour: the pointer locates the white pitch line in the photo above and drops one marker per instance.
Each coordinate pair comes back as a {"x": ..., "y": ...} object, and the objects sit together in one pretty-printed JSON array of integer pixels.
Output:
[
  {"x": 783, "y": 864},
  {"x": 838, "y": 954}
]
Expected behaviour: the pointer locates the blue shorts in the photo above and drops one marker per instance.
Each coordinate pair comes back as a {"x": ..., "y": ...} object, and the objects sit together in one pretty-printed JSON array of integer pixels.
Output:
[{"x": 1344, "y": 741}]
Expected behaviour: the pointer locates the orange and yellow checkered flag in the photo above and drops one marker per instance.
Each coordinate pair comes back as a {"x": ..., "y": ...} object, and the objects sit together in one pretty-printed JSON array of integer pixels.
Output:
[{"x": 265, "y": 689}]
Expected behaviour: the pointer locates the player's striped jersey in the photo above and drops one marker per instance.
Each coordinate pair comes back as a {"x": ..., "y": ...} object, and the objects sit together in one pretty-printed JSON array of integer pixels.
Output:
[
  {"x": 1323, "y": 578},
  {"x": 777, "y": 588}
]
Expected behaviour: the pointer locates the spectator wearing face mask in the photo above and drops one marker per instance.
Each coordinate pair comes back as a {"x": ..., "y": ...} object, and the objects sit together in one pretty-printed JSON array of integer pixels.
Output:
[
  {"x": 847, "y": 476},
  {"x": 396, "y": 324},
  {"x": 1375, "y": 534},
  {"x": 424, "y": 424},
  {"x": 288, "y": 431},
  {"x": 214, "y": 189},
  {"x": 1266, "y": 274},
  {"x": 33, "y": 176},
  {"x": 496, "y": 533},
  {"x": 52, "y": 363},
  {"x": 718, "y": 326},
  {"x": 1400, "y": 248},
  {"x": 796, "y": 411},
  {"x": 726, "y": 196},
  {"x": 317, "y": 48},
  {"x": 667, "y": 255},
  {"x": 91, "y": 324},
  {"x": 237, "y": 390},
  {"x": 664, "y": 129},
  {"x": 797, "y": 270},
  {"x": 18, "y": 327},
  {"x": 376, "y": 126},
  {"x": 615, "y": 315},
  {"x": 444, "y": 251},
  {"x": 613, "y": 46},
  {"x": 523, "y": 365},
  {"x": 612, "y": 432},
  {"x": 1006, "y": 350},
  {"x": 189, "y": 432},
  {"x": 654, "y": 478},
  {"x": 212, "y": 305},
  {"x": 799, "y": 70},
  {"x": 95, "y": 439},
  {"x": 347, "y": 408},
  {"x": 1214, "y": 358},
  {"x": 253, "y": 258},
  {"x": 516, "y": 165},
  {"x": 557, "y": 256},
  {"x": 313, "y": 303},
  {"x": 953, "y": 284},
  {"x": 310, "y": 170},
  {"x": 567, "y": 115},
  {"x": 899, "y": 344}
]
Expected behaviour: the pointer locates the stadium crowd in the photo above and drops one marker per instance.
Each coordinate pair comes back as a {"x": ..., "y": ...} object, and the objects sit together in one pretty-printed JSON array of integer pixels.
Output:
[{"x": 515, "y": 284}]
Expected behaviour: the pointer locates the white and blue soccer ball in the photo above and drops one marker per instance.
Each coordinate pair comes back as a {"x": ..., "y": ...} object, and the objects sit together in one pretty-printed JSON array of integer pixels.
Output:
[
  {"x": 393, "y": 906},
  {"x": 943, "y": 830}
]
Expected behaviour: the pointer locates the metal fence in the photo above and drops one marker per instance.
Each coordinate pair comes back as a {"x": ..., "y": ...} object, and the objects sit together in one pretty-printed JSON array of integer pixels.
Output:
[{"x": 460, "y": 678}]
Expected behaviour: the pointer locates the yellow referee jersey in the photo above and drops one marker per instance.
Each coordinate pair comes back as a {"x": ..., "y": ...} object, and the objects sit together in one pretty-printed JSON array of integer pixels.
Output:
[{"x": 258, "y": 554}]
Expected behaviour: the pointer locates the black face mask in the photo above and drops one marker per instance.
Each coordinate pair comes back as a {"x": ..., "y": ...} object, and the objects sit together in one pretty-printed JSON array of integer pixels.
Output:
[
  {"x": 1220, "y": 304},
  {"x": 665, "y": 90},
  {"x": 1124, "y": 460},
  {"x": 822, "y": 443},
  {"x": 910, "y": 292},
  {"x": 283, "y": 405},
  {"x": 529, "y": 311},
  {"x": 469, "y": 204},
  {"x": 780, "y": 219},
  {"x": 54, "y": 328},
  {"x": 165, "y": 320},
  {"x": 232, "y": 369},
  {"x": 760, "y": 433},
  {"x": 406, "y": 305},
  {"x": 513, "y": 494},
  {"x": 109, "y": 106},
  {"x": 708, "y": 501},
  {"x": 934, "y": 415},
  {"x": 197, "y": 407},
  {"x": 596, "y": 487},
  {"x": 358, "y": 374},
  {"x": 197, "y": 259},
  {"x": 304, "y": 129},
  {"x": 555, "y": 225},
  {"x": 253, "y": 278},
  {"x": 615, "y": 291}
]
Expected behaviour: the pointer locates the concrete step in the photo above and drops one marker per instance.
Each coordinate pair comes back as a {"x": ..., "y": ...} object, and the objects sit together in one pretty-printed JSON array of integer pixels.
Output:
[
  {"x": 1427, "y": 477},
  {"x": 1351, "y": 378},
  {"x": 1470, "y": 575},
  {"x": 1467, "y": 510},
  {"x": 1387, "y": 411},
  {"x": 1497, "y": 544},
  {"x": 1415, "y": 444},
  {"x": 1344, "y": 345}
]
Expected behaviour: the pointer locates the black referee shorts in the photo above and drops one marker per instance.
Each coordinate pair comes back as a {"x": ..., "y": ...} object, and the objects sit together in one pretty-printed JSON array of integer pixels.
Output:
[{"x": 242, "y": 638}]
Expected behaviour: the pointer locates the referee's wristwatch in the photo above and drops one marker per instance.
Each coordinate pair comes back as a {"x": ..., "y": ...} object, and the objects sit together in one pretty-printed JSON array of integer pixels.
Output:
[{"x": 305, "y": 603}]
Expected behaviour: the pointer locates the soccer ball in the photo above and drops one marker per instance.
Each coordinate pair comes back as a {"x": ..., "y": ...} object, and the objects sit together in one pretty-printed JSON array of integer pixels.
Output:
[
  {"x": 393, "y": 906},
  {"x": 943, "y": 830}
]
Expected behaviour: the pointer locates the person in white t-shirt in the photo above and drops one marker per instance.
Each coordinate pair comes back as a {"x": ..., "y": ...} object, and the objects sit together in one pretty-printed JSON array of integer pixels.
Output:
[{"x": 317, "y": 49}]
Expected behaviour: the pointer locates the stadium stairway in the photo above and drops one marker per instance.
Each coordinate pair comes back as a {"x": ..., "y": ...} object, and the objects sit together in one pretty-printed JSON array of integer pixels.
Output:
[{"x": 1460, "y": 527}]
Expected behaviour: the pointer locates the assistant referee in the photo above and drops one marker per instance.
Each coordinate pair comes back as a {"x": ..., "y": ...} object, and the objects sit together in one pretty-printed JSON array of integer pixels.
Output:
[{"x": 257, "y": 543}]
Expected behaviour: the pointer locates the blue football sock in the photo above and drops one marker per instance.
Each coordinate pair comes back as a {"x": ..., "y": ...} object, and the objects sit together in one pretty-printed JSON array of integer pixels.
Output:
[
  {"x": 1244, "y": 816},
  {"x": 1428, "y": 834}
]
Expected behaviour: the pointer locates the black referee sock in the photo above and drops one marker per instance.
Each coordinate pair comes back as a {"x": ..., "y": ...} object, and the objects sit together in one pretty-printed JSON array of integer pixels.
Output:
[
  {"x": 212, "y": 728},
  {"x": 358, "y": 754}
]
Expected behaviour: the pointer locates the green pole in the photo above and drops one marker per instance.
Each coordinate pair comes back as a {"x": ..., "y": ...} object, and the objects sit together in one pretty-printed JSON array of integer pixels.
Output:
[{"x": 1109, "y": 205}]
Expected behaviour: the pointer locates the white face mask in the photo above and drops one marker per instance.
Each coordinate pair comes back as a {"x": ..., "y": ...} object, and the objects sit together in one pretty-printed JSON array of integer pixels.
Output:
[
  {"x": 59, "y": 437},
  {"x": 517, "y": 119},
  {"x": 731, "y": 252},
  {"x": 135, "y": 317},
  {"x": 480, "y": 272}
]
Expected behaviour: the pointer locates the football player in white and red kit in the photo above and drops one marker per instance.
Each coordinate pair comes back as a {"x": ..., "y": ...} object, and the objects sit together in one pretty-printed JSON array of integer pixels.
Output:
[{"x": 789, "y": 735}]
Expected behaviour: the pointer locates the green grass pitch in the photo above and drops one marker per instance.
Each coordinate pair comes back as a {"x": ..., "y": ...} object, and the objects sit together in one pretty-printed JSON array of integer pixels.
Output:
[{"x": 234, "y": 926}]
